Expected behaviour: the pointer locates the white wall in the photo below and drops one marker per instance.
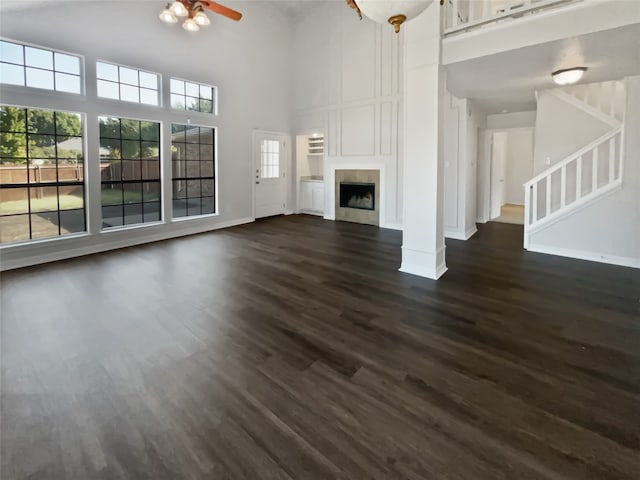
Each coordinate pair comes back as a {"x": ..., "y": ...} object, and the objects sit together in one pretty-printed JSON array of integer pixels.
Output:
[
  {"x": 607, "y": 230},
  {"x": 475, "y": 122},
  {"x": 248, "y": 60},
  {"x": 561, "y": 129},
  {"x": 348, "y": 85},
  {"x": 453, "y": 167},
  {"x": 512, "y": 120},
  {"x": 462, "y": 119}
]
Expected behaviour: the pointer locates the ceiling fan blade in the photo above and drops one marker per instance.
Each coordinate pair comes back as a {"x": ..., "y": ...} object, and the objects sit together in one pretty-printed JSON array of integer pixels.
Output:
[{"x": 221, "y": 9}]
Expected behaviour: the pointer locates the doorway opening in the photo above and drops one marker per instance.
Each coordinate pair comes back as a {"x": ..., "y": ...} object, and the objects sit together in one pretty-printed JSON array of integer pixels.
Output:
[{"x": 511, "y": 154}]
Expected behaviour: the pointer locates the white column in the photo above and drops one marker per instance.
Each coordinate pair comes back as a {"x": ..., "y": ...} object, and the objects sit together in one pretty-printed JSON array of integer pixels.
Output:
[{"x": 423, "y": 232}]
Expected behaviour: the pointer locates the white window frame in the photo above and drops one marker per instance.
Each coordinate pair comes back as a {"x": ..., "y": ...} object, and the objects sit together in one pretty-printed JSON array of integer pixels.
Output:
[
  {"x": 24, "y": 66},
  {"x": 119, "y": 83},
  {"x": 214, "y": 96}
]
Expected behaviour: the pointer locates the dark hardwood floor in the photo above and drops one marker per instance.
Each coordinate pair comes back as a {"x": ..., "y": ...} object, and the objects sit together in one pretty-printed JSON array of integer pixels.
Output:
[{"x": 293, "y": 348}]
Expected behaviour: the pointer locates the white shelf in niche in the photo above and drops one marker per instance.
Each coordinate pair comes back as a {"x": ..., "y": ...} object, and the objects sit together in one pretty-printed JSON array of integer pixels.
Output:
[{"x": 315, "y": 146}]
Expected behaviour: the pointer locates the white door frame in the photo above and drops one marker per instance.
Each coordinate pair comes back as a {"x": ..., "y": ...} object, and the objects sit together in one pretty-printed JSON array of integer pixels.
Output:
[
  {"x": 285, "y": 165},
  {"x": 498, "y": 174},
  {"x": 484, "y": 170}
]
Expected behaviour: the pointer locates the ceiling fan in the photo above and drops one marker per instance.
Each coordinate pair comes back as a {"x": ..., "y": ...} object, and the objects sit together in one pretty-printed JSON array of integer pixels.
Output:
[{"x": 194, "y": 10}]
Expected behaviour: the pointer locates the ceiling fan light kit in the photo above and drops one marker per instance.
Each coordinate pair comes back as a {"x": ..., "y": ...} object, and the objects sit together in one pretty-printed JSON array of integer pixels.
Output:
[
  {"x": 179, "y": 9},
  {"x": 168, "y": 16},
  {"x": 190, "y": 25},
  {"x": 201, "y": 19},
  {"x": 194, "y": 10},
  {"x": 394, "y": 12}
]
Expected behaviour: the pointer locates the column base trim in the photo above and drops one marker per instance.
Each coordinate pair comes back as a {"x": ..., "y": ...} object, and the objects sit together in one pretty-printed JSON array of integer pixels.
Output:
[{"x": 422, "y": 263}]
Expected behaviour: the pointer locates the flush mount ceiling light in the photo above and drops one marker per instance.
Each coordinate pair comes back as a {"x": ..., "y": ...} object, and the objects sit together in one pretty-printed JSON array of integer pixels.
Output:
[
  {"x": 568, "y": 76},
  {"x": 194, "y": 10},
  {"x": 395, "y": 12}
]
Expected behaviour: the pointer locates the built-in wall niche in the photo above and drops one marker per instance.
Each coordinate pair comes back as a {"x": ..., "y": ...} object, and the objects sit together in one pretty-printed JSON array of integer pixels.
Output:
[
  {"x": 315, "y": 146},
  {"x": 310, "y": 172},
  {"x": 310, "y": 156}
]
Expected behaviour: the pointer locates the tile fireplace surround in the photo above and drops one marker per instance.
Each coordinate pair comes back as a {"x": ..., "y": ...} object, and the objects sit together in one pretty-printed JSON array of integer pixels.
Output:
[{"x": 346, "y": 214}]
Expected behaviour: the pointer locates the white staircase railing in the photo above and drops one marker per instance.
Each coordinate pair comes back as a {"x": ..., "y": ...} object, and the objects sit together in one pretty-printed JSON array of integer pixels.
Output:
[
  {"x": 466, "y": 14},
  {"x": 575, "y": 180},
  {"x": 606, "y": 97}
]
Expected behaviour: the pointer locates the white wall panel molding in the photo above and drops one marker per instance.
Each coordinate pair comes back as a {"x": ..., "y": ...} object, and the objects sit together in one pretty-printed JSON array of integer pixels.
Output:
[
  {"x": 357, "y": 131},
  {"x": 386, "y": 128}
]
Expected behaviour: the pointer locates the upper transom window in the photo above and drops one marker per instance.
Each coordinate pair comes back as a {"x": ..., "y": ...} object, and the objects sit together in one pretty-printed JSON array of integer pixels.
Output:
[
  {"x": 193, "y": 96},
  {"x": 39, "y": 68},
  {"x": 127, "y": 84}
]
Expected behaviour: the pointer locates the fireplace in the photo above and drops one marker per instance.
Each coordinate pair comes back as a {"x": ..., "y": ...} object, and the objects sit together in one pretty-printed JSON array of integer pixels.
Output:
[{"x": 359, "y": 195}]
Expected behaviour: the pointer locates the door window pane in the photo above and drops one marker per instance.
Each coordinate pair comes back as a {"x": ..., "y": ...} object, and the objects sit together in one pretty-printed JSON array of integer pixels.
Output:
[{"x": 270, "y": 159}]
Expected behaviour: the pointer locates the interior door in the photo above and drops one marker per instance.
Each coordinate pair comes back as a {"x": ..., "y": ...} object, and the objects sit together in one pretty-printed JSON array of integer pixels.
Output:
[
  {"x": 269, "y": 174},
  {"x": 498, "y": 172}
]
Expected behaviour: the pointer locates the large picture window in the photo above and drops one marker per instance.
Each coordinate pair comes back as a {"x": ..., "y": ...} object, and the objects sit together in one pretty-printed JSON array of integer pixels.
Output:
[
  {"x": 39, "y": 68},
  {"x": 193, "y": 168},
  {"x": 41, "y": 174},
  {"x": 130, "y": 171},
  {"x": 127, "y": 84}
]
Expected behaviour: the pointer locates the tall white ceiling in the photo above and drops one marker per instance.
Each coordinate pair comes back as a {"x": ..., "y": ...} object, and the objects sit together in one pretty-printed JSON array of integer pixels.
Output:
[
  {"x": 291, "y": 7},
  {"x": 504, "y": 81}
]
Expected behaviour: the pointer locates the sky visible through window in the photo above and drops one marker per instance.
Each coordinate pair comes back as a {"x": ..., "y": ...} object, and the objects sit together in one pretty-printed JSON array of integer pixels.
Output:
[{"x": 39, "y": 68}]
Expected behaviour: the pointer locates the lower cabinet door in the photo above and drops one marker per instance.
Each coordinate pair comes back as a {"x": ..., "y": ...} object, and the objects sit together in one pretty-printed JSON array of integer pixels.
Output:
[
  {"x": 305, "y": 196},
  {"x": 317, "y": 197}
]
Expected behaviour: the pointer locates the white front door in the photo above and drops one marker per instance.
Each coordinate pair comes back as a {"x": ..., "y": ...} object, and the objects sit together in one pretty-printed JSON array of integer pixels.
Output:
[{"x": 269, "y": 173}]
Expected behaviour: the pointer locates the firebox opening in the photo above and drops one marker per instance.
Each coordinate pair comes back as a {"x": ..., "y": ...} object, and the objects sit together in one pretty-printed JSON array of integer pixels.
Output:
[{"x": 358, "y": 195}]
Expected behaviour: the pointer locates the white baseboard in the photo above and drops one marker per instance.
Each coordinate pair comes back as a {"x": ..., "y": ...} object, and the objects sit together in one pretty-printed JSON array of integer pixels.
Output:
[
  {"x": 26, "y": 255},
  {"x": 582, "y": 255},
  {"x": 312, "y": 212},
  {"x": 471, "y": 232},
  {"x": 392, "y": 226},
  {"x": 454, "y": 235}
]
